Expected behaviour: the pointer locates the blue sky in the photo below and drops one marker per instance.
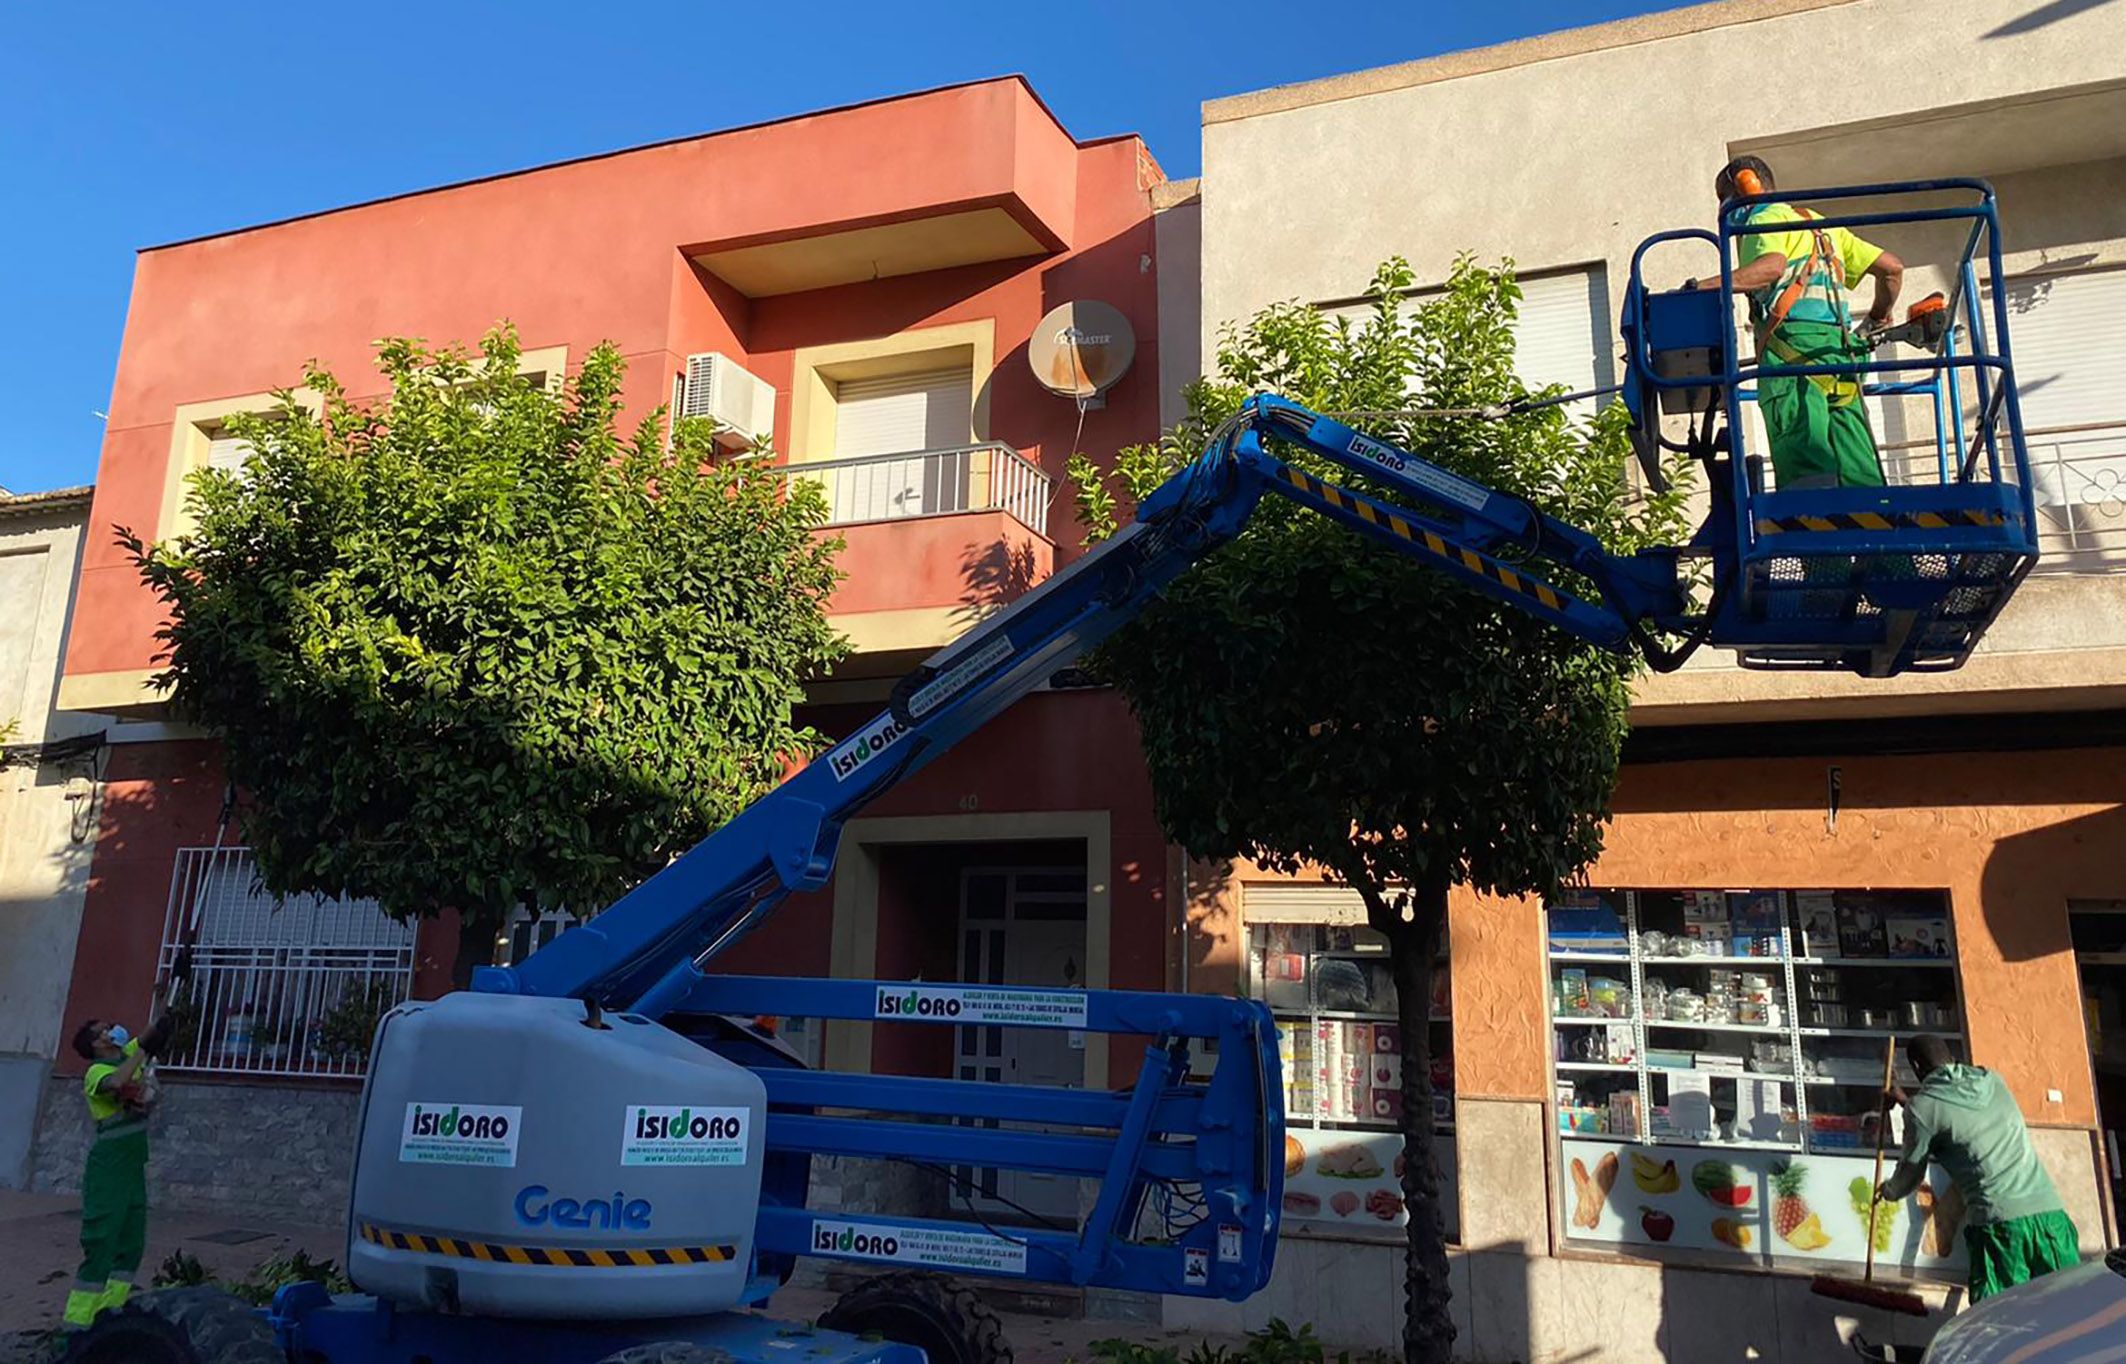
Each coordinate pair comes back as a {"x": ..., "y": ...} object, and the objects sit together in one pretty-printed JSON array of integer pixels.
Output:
[{"x": 126, "y": 126}]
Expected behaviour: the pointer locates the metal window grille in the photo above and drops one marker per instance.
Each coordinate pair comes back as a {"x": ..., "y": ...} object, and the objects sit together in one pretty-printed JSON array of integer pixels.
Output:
[{"x": 284, "y": 988}]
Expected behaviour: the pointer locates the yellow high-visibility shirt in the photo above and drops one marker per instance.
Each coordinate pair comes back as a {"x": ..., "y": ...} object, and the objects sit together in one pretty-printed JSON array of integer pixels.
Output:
[
  {"x": 1822, "y": 299},
  {"x": 105, "y": 1103}
]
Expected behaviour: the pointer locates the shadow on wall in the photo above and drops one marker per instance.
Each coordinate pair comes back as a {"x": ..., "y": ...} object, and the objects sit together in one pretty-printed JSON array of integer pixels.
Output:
[
  {"x": 994, "y": 576},
  {"x": 1502, "y": 1321},
  {"x": 2043, "y": 16},
  {"x": 2031, "y": 876},
  {"x": 1216, "y": 953}
]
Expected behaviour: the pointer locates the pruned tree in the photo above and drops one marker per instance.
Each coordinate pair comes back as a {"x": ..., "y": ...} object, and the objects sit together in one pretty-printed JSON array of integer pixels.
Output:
[
  {"x": 1308, "y": 697},
  {"x": 469, "y": 647}
]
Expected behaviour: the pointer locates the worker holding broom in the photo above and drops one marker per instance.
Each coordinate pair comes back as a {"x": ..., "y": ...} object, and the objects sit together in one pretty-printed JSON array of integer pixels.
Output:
[
  {"x": 114, "y": 1185},
  {"x": 1963, "y": 1118},
  {"x": 1796, "y": 276}
]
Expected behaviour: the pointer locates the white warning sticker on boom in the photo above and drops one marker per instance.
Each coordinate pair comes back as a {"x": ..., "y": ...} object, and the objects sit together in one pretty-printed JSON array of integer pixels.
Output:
[
  {"x": 957, "y": 678},
  {"x": 960, "y": 1004},
  {"x": 1441, "y": 484},
  {"x": 919, "y": 1246}
]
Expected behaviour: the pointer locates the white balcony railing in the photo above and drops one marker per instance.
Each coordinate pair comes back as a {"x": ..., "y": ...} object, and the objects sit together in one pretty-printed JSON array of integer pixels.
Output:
[
  {"x": 967, "y": 478},
  {"x": 289, "y": 988},
  {"x": 2078, "y": 480}
]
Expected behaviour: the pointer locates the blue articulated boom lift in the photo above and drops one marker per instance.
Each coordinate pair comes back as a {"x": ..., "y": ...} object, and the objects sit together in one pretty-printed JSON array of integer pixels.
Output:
[{"x": 587, "y": 1157}]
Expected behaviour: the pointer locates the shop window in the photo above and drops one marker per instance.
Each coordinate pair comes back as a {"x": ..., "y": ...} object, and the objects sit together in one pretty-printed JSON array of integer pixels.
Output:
[
  {"x": 1718, "y": 1059},
  {"x": 1326, "y": 978}
]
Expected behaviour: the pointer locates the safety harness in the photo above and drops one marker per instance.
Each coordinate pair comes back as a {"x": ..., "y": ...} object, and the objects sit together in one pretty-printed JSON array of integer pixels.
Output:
[{"x": 1820, "y": 270}]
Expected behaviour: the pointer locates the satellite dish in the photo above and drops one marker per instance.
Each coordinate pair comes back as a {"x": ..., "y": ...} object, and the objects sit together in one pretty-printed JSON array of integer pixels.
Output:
[{"x": 1081, "y": 349}]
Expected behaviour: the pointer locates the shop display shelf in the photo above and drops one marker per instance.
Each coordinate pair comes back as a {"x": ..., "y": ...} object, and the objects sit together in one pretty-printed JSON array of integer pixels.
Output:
[
  {"x": 1617, "y": 958},
  {"x": 1811, "y": 1030},
  {"x": 1784, "y": 1077},
  {"x": 1774, "y": 1031},
  {"x": 1615, "y": 1067},
  {"x": 1713, "y": 961},
  {"x": 1794, "y": 1145},
  {"x": 1936, "y": 962}
]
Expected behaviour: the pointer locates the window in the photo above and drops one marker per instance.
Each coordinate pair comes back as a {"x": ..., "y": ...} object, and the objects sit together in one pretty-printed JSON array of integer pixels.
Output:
[
  {"x": 2070, "y": 376},
  {"x": 228, "y": 453},
  {"x": 902, "y": 413},
  {"x": 905, "y": 437},
  {"x": 1705, "y": 1041},
  {"x": 1563, "y": 334},
  {"x": 1326, "y": 978},
  {"x": 276, "y": 988}
]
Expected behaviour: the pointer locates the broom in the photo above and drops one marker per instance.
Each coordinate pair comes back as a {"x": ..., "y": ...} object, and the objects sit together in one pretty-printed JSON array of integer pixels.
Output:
[{"x": 1866, "y": 1291}]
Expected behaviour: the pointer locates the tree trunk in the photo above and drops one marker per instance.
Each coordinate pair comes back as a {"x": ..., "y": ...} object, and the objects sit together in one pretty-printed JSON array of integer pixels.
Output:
[
  {"x": 476, "y": 945},
  {"x": 1428, "y": 1321}
]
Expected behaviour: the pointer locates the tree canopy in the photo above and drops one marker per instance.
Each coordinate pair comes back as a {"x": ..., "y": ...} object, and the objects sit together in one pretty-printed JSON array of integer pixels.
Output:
[
  {"x": 469, "y": 646},
  {"x": 1310, "y": 697}
]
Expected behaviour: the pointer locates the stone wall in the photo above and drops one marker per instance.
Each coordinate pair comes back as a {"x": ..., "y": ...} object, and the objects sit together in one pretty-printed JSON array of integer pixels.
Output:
[{"x": 278, "y": 1153}]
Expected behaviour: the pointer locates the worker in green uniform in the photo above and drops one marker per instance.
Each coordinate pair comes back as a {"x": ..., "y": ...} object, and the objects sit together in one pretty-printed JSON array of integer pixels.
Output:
[
  {"x": 114, "y": 1186},
  {"x": 1796, "y": 278},
  {"x": 1963, "y": 1119}
]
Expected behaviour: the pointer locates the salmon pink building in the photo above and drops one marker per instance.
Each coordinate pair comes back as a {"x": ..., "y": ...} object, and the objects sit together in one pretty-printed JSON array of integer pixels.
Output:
[{"x": 862, "y": 286}]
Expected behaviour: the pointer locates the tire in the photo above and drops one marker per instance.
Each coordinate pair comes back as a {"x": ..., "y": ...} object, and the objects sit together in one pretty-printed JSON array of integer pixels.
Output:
[
  {"x": 177, "y": 1326},
  {"x": 949, "y": 1324},
  {"x": 668, "y": 1352}
]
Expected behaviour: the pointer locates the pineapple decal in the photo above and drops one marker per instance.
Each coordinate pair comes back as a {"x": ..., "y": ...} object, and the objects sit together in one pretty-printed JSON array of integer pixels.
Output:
[{"x": 1792, "y": 1220}]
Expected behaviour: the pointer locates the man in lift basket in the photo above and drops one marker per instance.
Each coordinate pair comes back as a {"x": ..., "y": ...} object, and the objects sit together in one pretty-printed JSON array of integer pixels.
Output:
[{"x": 1796, "y": 277}]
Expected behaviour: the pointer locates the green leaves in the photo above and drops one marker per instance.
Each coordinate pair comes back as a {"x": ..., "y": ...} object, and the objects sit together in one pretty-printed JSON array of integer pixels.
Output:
[
  {"x": 1309, "y": 697},
  {"x": 469, "y": 646}
]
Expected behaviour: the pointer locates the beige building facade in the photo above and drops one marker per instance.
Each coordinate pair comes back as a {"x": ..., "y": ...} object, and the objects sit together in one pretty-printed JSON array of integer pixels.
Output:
[
  {"x": 47, "y": 804},
  {"x": 1963, "y": 809}
]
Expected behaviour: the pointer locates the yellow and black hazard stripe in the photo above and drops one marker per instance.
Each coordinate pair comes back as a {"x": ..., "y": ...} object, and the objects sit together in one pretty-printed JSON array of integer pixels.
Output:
[
  {"x": 1907, "y": 520},
  {"x": 1433, "y": 544},
  {"x": 568, "y": 1256}
]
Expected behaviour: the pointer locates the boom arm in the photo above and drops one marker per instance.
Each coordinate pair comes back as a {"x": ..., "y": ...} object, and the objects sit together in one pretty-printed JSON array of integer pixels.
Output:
[{"x": 644, "y": 954}]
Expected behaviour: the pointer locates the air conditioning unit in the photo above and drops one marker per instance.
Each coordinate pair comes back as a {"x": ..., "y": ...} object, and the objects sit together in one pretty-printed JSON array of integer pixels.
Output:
[{"x": 741, "y": 405}]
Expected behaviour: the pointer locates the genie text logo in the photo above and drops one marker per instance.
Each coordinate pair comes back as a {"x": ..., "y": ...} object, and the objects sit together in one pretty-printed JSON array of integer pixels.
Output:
[{"x": 536, "y": 1207}]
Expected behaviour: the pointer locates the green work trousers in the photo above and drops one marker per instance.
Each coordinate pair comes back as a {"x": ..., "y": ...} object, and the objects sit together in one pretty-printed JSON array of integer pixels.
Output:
[
  {"x": 1818, "y": 429},
  {"x": 114, "y": 1221},
  {"x": 2004, "y": 1254}
]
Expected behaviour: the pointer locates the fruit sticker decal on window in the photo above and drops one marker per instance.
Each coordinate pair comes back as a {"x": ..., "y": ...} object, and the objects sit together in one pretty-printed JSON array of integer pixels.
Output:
[
  {"x": 1792, "y": 1218},
  {"x": 1716, "y": 1180},
  {"x": 1880, "y": 1218},
  {"x": 1654, "y": 1176}
]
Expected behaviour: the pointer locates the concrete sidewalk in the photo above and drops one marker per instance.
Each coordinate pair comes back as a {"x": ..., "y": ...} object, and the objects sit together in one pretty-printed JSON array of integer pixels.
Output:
[{"x": 39, "y": 1248}]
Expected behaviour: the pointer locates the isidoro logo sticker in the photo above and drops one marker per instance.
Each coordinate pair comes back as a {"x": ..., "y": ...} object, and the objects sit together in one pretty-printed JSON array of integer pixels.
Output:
[
  {"x": 460, "y": 1134},
  {"x": 868, "y": 742},
  {"x": 938, "y": 1246},
  {"x": 683, "y": 1136}
]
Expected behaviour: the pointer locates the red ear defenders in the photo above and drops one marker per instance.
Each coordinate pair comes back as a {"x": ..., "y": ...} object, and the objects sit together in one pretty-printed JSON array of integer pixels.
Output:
[{"x": 1746, "y": 181}]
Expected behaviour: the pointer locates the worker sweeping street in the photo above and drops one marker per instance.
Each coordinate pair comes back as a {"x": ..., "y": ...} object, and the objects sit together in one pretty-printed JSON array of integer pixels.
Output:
[
  {"x": 1796, "y": 277},
  {"x": 120, "y": 1089},
  {"x": 1963, "y": 1118}
]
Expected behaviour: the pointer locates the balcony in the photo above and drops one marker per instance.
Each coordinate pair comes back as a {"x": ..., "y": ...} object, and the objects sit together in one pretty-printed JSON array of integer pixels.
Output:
[
  {"x": 987, "y": 477},
  {"x": 934, "y": 540},
  {"x": 2078, "y": 479}
]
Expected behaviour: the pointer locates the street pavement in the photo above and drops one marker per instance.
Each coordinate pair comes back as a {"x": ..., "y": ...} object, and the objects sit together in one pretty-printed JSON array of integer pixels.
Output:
[{"x": 39, "y": 1248}]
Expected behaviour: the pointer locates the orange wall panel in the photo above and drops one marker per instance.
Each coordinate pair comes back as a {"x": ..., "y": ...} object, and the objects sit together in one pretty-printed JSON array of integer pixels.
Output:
[
  {"x": 977, "y": 560},
  {"x": 2011, "y": 838}
]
